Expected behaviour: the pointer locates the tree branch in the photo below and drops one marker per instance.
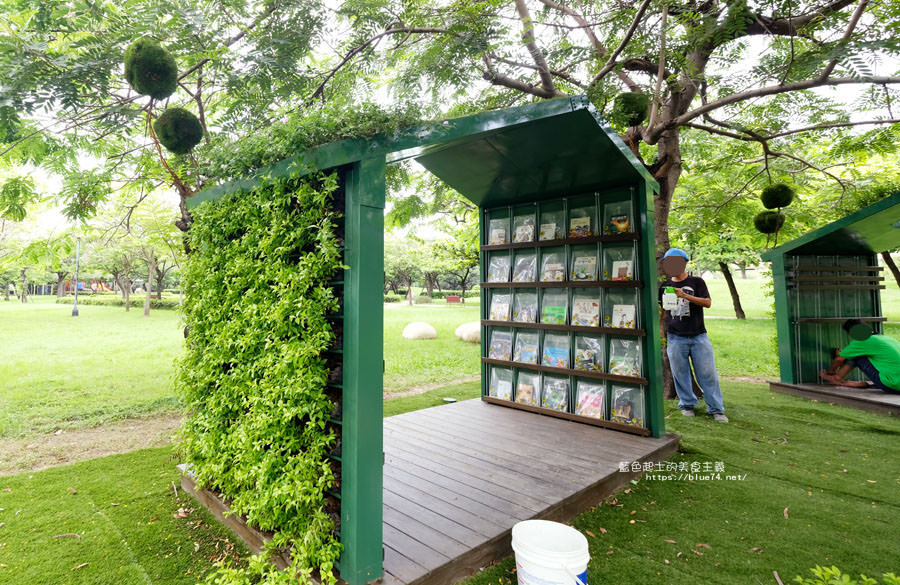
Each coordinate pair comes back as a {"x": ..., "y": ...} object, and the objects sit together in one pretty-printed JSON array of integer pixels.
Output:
[
  {"x": 592, "y": 38},
  {"x": 657, "y": 97},
  {"x": 496, "y": 78},
  {"x": 556, "y": 73},
  {"x": 530, "y": 44},
  {"x": 765, "y": 91},
  {"x": 611, "y": 62},
  {"x": 846, "y": 37}
]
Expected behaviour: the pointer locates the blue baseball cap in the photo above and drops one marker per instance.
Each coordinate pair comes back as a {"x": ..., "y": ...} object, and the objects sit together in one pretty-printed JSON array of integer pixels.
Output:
[{"x": 676, "y": 252}]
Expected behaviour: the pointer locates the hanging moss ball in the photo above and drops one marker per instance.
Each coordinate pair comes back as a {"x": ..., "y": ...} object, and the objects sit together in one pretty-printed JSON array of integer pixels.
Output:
[
  {"x": 631, "y": 107},
  {"x": 178, "y": 130},
  {"x": 777, "y": 195},
  {"x": 150, "y": 69},
  {"x": 768, "y": 222}
]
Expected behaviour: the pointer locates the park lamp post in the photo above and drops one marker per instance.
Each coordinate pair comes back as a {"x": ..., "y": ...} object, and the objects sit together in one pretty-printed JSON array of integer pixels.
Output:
[{"x": 77, "y": 255}]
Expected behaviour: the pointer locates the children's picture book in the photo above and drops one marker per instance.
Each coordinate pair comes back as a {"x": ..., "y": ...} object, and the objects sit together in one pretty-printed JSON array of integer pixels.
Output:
[
  {"x": 526, "y": 348},
  {"x": 553, "y": 267},
  {"x": 622, "y": 270},
  {"x": 627, "y": 405},
  {"x": 584, "y": 267},
  {"x": 591, "y": 400},
  {"x": 499, "y": 308},
  {"x": 585, "y": 359},
  {"x": 585, "y": 312},
  {"x": 525, "y": 268},
  {"x": 623, "y": 316},
  {"x": 555, "y": 393},
  {"x": 503, "y": 390},
  {"x": 579, "y": 227},
  {"x": 624, "y": 357},
  {"x": 497, "y": 234},
  {"x": 527, "y": 390},
  {"x": 525, "y": 309},
  {"x": 498, "y": 269},
  {"x": 556, "y": 351},
  {"x": 549, "y": 231},
  {"x": 553, "y": 314},
  {"x": 501, "y": 345},
  {"x": 619, "y": 224}
]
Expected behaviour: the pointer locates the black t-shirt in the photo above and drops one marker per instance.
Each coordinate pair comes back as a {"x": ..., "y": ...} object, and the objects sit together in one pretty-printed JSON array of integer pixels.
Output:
[{"x": 687, "y": 318}]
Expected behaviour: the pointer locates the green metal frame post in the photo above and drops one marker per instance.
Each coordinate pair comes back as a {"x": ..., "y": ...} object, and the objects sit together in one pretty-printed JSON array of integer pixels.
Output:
[
  {"x": 362, "y": 441},
  {"x": 783, "y": 319},
  {"x": 650, "y": 301}
]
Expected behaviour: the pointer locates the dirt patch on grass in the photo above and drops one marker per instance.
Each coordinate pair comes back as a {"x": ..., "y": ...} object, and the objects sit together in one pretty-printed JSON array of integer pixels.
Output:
[
  {"x": 751, "y": 379},
  {"x": 429, "y": 387},
  {"x": 42, "y": 451}
]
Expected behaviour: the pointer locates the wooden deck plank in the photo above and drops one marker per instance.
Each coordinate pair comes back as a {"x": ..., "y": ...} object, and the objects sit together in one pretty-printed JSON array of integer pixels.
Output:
[
  {"x": 439, "y": 470},
  {"x": 446, "y": 525},
  {"x": 402, "y": 569},
  {"x": 436, "y": 501},
  {"x": 503, "y": 480},
  {"x": 471, "y": 465},
  {"x": 871, "y": 400},
  {"x": 411, "y": 547},
  {"x": 540, "y": 463},
  {"x": 484, "y": 504},
  {"x": 509, "y": 421}
]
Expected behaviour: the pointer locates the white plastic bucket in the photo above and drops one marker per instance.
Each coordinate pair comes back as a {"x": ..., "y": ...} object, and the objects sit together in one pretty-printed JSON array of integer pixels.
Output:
[{"x": 549, "y": 553}]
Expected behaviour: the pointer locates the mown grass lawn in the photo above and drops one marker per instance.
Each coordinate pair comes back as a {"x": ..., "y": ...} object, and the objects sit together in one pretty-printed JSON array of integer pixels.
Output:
[
  {"x": 818, "y": 484},
  {"x": 61, "y": 372}
]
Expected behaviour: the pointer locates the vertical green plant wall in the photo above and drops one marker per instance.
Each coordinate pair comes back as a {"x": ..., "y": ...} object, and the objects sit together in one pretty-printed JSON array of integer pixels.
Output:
[{"x": 254, "y": 374}]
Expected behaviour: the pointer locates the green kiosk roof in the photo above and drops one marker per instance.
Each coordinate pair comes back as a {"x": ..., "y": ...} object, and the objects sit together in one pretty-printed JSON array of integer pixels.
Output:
[
  {"x": 541, "y": 150},
  {"x": 873, "y": 229}
]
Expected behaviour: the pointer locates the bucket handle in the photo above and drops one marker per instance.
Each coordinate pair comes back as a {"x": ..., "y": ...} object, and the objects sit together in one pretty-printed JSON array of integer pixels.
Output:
[{"x": 575, "y": 577}]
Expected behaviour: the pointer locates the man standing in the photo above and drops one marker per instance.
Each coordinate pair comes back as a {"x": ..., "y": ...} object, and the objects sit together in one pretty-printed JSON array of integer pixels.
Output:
[
  {"x": 682, "y": 325},
  {"x": 878, "y": 356}
]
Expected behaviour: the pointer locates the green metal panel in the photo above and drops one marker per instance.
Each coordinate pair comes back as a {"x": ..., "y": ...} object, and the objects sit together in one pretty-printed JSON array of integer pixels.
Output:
[
  {"x": 650, "y": 308},
  {"x": 362, "y": 455},
  {"x": 783, "y": 321}
]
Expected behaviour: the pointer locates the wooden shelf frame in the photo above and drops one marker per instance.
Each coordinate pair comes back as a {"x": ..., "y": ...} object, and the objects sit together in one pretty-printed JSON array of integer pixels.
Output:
[
  {"x": 567, "y": 284},
  {"x": 607, "y": 239},
  {"x": 597, "y": 422},
  {"x": 573, "y": 328},
  {"x": 641, "y": 381}
]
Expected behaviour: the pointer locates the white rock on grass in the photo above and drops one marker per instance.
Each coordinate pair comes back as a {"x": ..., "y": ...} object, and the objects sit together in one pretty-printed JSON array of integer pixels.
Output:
[
  {"x": 470, "y": 332},
  {"x": 419, "y": 330}
]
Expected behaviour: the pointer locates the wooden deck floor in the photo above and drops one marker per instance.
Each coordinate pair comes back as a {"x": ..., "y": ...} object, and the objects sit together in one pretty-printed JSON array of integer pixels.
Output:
[
  {"x": 458, "y": 476},
  {"x": 864, "y": 399}
]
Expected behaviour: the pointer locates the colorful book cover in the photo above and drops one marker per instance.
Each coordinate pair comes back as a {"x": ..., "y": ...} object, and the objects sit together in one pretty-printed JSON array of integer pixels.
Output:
[
  {"x": 623, "y": 316},
  {"x": 619, "y": 224},
  {"x": 553, "y": 314},
  {"x": 525, "y": 393},
  {"x": 548, "y": 231},
  {"x": 502, "y": 390},
  {"x": 624, "y": 366},
  {"x": 591, "y": 401},
  {"x": 499, "y": 310},
  {"x": 554, "y": 395},
  {"x": 556, "y": 356},
  {"x": 622, "y": 270},
  {"x": 553, "y": 272},
  {"x": 501, "y": 345},
  {"x": 526, "y": 353},
  {"x": 584, "y": 268},
  {"x": 524, "y": 233},
  {"x": 585, "y": 359},
  {"x": 579, "y": 227},
  {"x": 586, "y": 313}
]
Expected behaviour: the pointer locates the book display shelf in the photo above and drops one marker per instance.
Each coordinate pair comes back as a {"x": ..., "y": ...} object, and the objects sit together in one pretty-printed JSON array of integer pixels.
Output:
[{"x": 563, "y": 328}]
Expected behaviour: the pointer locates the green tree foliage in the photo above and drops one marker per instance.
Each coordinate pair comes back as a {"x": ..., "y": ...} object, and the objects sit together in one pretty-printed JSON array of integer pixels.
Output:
[{"x": 253, "y": 377}]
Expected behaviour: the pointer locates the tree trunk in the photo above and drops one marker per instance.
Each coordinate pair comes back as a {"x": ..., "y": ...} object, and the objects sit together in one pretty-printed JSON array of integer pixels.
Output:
[
  {"x": 6, "y": 290},
  {"x": 24, "y": 296},
  {"x": 60, "y": 284},
  {"x": 735, "y": 299},
  {"x": 429, "y": 286},
  {"x": 889, "y": 262},
  {"x": 743, "y": 267},
  {"x": 151, "y": 264},
  {"x": 667, "y": 172}
]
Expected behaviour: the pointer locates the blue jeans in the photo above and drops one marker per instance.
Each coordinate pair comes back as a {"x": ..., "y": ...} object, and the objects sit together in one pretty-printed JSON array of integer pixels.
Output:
[
  {"x": 697, "y": 350},
  {"x": 865, "y": 365}
]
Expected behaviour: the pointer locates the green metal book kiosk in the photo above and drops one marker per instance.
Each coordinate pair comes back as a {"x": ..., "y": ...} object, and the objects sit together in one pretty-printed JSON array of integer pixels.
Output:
[
  {"x": 552, "y": 159},
  {"x": 826, "y": 277}
]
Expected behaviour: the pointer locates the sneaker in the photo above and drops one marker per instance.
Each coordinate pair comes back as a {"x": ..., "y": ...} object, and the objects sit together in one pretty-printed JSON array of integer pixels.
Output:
[
  {"x": 719, "y": 417},
  {"x": 687, "y": 411}
]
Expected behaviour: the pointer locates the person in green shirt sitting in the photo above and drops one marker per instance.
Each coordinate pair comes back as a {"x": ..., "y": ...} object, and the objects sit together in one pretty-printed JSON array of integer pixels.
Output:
[{"x": 878, "y": 356}]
